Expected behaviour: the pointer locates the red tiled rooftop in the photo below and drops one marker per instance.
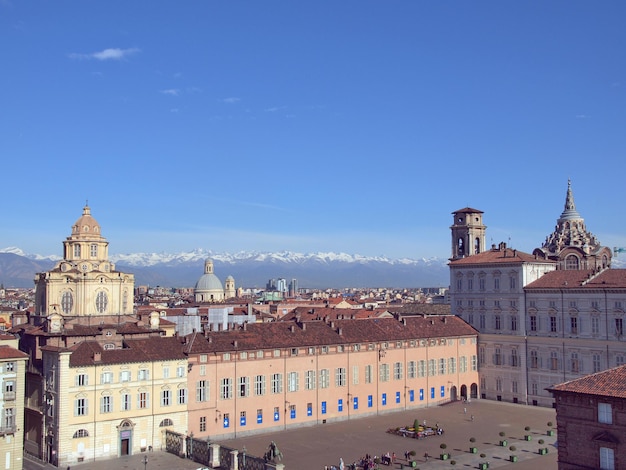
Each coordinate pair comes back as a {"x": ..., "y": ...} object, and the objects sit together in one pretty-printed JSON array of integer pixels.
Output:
[
  {"x": 608, "y": 383},
  {"x": 497, "y": 255},
  {"x": 581, "y": 279}
]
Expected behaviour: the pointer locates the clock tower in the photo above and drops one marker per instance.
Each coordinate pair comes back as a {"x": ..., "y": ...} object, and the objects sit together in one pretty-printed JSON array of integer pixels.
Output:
[
  {"x": 468, "y": 233},
  {"x": 84, "y": 282}
]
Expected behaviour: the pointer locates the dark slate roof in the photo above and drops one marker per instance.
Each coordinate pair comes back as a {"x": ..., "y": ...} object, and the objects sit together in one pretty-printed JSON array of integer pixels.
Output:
[
  {"x": 278, "y": 335},
  {"x": 608, "y": 383},
  {"x": 581, "y": 279},
  {"x": 156, "y": 348}
]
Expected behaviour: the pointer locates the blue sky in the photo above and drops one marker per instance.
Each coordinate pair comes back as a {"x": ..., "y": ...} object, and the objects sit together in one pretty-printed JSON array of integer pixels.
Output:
[{"x": 345, "y": 126}]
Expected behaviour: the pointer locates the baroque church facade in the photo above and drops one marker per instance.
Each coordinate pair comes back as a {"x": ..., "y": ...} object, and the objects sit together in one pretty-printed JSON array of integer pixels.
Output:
[{"x": 543, "y": 318}]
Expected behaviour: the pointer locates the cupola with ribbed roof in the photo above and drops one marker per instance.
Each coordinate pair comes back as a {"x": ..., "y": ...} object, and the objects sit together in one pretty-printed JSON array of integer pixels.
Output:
[{"x": 571, "y": 244}]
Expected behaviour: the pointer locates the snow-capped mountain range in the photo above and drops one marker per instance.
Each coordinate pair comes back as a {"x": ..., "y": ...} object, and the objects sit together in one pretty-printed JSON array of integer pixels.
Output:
[{"x": 315, "y": 270}]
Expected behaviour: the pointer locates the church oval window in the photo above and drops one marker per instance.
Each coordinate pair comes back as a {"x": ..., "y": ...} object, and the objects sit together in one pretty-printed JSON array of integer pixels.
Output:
[
  {"x": 102, "y": 302},
  {"x": 67, "y": 302}
]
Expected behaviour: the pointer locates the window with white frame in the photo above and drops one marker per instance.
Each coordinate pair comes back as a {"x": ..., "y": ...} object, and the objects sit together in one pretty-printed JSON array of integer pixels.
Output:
[
  {"x": 82, "y": 380},
  {"x": 166, "y": 397},
  {"x": 605, "y": 413},
  {"x": 411, "y": 371},
  {"x": 125, "y": 376},
  {"x": 226, "y": 388},
  {"x": 244, "y": 387},
  {"x": 106, "y": 404},
  {"x": 202, "y": 390},
  {"x": 106, "y": 377},
  {"x": 368, "y": 374},
  {"x": 432, "y": 367},
  {"x": 452, "y": 365},
  {"x": 293, "y": 380},
  {"x": 442, "y": 366},
  {"x": 80, "y": 406},
  {"x": 383, "y": 373},
  {"x": 259, "y": 385},
  {"x": 309, "y": 380},
  {"x": 125, "y": 401},
  {"x": 463, "y": 364},
  {"x": 182, "y": 396},
  {"x": 607, "y": 458},
  {"x": 421, "y": 368},
  {"x": 143, "y": 400},
  {"x": 596, "y": 360},
  {"x": 397, "y": 371},
  {"x": 143, "y": 374},
  {"x": 340, "y": 377},
  {"x": 277, "y": 383},
  {"x": 324, "y": 378},
  {"x": 355, "y": 375}
]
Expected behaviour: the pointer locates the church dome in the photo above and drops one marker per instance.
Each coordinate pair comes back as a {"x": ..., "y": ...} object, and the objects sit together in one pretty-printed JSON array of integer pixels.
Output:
[
  {"x": 209, "y": 282},
  {"x": 86, "y": 224}
]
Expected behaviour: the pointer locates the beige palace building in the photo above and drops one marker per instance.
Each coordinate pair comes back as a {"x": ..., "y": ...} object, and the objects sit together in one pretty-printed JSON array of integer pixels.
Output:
[{"x": 266, "y": 377}]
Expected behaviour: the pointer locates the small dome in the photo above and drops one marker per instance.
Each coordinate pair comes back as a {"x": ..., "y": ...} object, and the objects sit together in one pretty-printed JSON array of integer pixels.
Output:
[{"x": 230, "y": 278}]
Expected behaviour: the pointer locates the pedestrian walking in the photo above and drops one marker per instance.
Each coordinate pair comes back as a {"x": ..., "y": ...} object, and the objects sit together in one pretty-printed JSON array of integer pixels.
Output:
[
  {"x": 465, "y": 410},
  {"x": 472, "y": 417}
]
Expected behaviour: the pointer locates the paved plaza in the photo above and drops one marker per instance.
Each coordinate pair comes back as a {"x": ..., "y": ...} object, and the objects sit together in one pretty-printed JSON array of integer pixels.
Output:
[{"x": 314, "y": 448}]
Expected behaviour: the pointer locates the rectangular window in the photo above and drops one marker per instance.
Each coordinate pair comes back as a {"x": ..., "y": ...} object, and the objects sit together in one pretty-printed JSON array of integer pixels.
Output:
[
  {"x": 533, "y": 323},
  {"x": 202, "y": 390},
  {"x": 481, "y": 283},
  {"x": 596, "y": 363},
  {"x": 595, "y": 325},
  {"x": 259, "y": 385},
  {"x": 383, "y": 373},
  {"x": 182, "y": 396},
  {"x": 166, "y": 372},
  {"x": 470, "y": 284},
  {"x": 432, "y": 367},
  {"x": 277, "y": 383},
  {"x": 605, "y": 413},
  {"x": 340, "y": 377},
  {"x": 619, "y": 326},
  {"x": 482, "y": 321},
  {"x": 293, "y": 380},
  {"x": 144, "y": 374},
  {"x": 106, "y": 404},
  {"x": 497, "y": 322},
  {"x": 442, "y": 366},
  {"x": 125, "y": 376},
  {"x": 513, "y": 322},
  {"x": 496, "y": 283},
  {"x": 143, "y": 400},
  {"x": 82, "y": 380},
  {"x": 554, "y": 360},
  {"x": 452, "y": 365},
  {"x": 534, "y": 360},
  {"x": 463, "y": 364},
  {"x": 202, "y": 370},
  {"x": 180, "y": 371},
  {"x": 411, "y": 370},
  {"x": 607, "y": 458},
  {"x": 368, "y": 374},
  {"x": 324, "y": 378},
  {"x": 309, "y": 380},
  {"x": 497, "y": 357},
  {"x": 553, "y": 328},
  {"x": 355, "y": 375},
  {"x": 514, "y": 358},
  {"x": 573, "y": 325},
  {"x": 125, "y": 401},
  {"x": 574, "y": 362},
  {"x": 106, "y": 378},
  {"x": 166, "y": 397},
  {"x": 421, "y": 368},
  {"x": 226, "y": 388},
  {"x": 244, "y": 387},
  {"x": 93, "y": 250},
  {"x": 202, "y": 423},
  {"x": 397, "y": 371}
]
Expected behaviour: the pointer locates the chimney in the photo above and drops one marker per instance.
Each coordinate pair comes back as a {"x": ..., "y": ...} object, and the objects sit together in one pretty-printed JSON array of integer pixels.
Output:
[
  {"x": 340, "y": 331},
  {"x": 292, "y": 328},
  {"x": 97, "y": 357},
  {"x": 235, "y": 344},
  {"x": 303, "y": 326}
]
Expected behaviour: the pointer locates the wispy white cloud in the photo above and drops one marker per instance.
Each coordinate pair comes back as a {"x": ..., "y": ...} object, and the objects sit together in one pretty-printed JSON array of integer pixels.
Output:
[
  {"x": 274, "y": 109},
  {"x": 106, "y": 54},
  {"x": 171, "y": 92},
  {"x": 582, "y": 116},
  {"x": 230, "y": 100}
]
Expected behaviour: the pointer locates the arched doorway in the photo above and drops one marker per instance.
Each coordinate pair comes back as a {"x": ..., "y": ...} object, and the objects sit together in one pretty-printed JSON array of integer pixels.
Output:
[
  {"x": 474, "y": 391},
  {"x": 453, "y": 393},
  {"x": 464, "y": 392}
]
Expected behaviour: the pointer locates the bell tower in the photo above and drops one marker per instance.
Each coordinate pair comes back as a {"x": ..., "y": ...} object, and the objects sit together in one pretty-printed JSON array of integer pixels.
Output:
[{"x": 468, "y": 233}]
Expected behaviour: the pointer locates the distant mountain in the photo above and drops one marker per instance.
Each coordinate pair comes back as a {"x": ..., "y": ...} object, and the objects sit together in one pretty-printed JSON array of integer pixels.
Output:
[{"x": 250, "y": 269}]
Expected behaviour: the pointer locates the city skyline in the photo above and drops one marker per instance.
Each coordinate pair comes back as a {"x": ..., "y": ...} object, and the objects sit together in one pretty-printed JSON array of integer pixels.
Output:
[{"x": 352, "y": 127}]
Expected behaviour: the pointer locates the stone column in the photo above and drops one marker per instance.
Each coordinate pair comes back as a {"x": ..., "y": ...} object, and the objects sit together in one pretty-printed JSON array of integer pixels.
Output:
[
  {"x": 214, "y": 455},
  {"x": 234, "y": 459}
]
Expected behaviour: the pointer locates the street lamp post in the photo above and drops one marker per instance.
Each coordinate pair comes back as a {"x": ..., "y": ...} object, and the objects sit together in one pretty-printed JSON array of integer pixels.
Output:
[{"x": 243, "y": 451}]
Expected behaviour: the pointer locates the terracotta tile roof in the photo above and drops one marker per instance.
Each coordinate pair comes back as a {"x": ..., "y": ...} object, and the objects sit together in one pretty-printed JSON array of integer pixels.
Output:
[
  {"x": 151, "y": 349},
  {"x": 608, "y": 383},
  {"x": 502, "y": 256},
  {"x": 7, "y": 352},
  {"x": 581, "y": 279},
  {"x": 468, "y": 210},
  {"x": 322, "y": 313},
  {"x": 279, "y": 335}
]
